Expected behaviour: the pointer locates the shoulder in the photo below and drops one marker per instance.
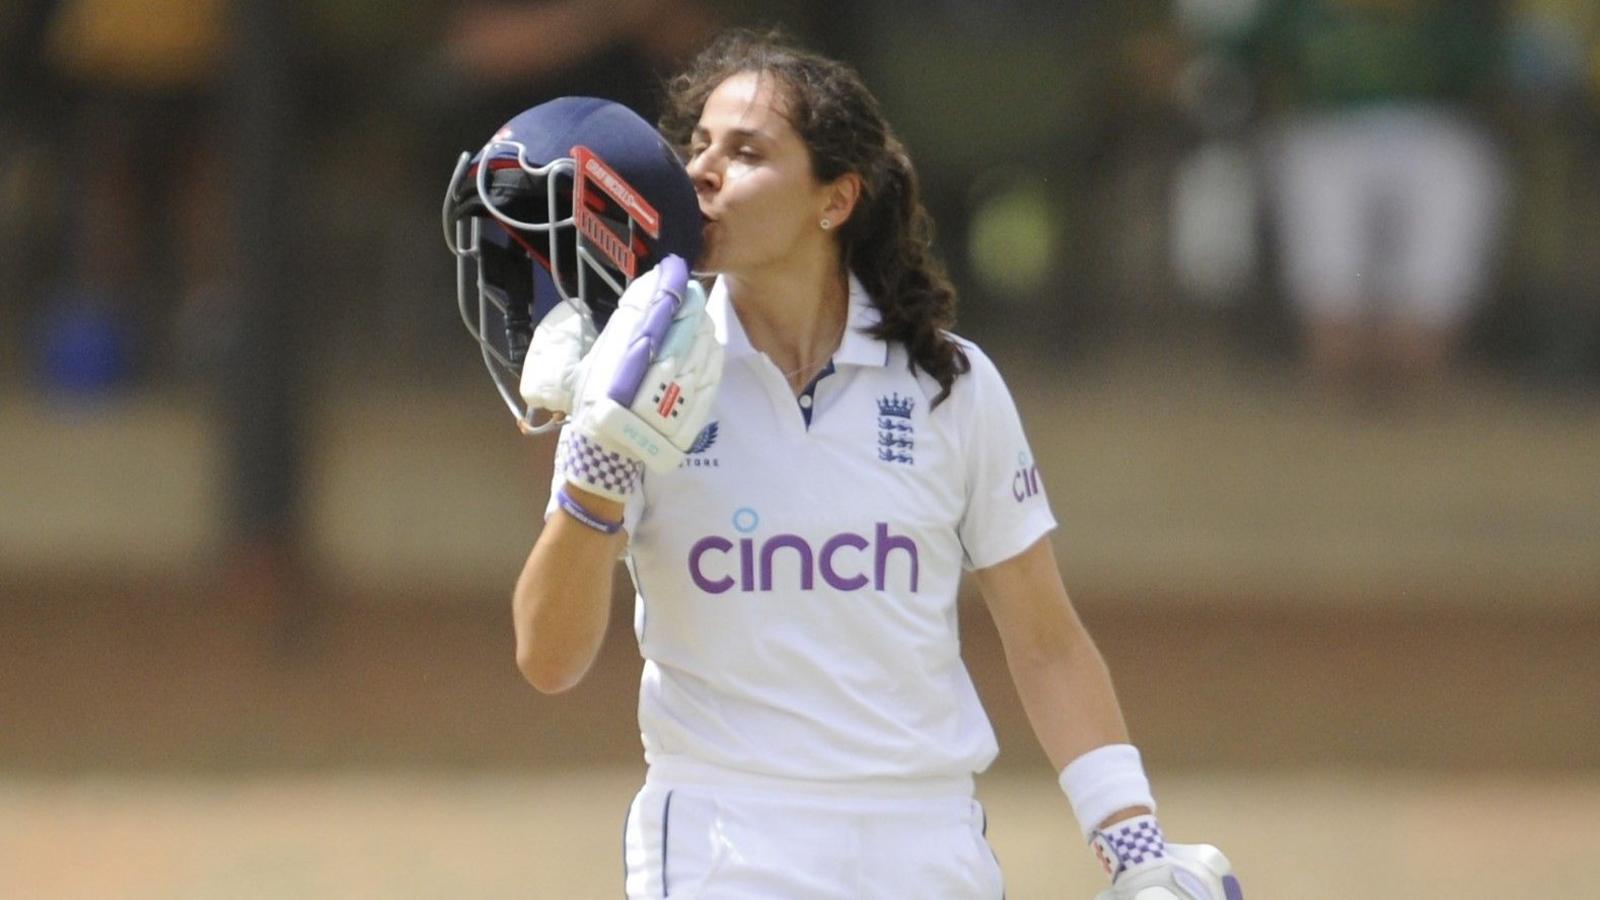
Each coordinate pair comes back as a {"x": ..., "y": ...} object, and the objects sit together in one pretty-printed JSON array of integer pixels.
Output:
[
  {"x": 979, "y": 363},
  {"x": 973, "y": 392},
  {"x": 982, "y": 381}
]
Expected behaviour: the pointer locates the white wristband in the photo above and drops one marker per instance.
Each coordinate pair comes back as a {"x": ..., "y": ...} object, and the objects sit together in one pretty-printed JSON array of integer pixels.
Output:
[{"x": 1103, "y": 781}]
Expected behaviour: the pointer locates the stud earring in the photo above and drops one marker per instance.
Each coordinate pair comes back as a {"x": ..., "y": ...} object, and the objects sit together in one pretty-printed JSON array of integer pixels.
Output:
[{"x": 826, "y": 224}]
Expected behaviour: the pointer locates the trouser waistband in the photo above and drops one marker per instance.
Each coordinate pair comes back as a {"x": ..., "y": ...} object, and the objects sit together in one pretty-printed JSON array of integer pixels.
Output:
[{"x": 678, "y": 770}]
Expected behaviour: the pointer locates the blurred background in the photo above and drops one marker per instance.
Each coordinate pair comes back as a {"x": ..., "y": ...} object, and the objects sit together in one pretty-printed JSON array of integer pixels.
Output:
[{"x": 1294, "y": 296}]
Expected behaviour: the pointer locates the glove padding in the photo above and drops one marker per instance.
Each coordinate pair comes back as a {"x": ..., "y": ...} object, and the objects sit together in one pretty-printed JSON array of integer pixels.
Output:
[
  {"x": 554, "y": 354},
  {"x": 1143, "y": 866},
  {"x": 645, "y": 389}
]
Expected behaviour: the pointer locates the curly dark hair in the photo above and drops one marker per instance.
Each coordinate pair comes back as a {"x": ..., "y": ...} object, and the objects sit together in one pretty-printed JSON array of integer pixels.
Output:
[{"x": 887, "y": 241}]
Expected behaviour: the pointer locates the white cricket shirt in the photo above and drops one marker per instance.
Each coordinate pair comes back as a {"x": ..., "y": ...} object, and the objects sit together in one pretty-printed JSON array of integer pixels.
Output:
[{"x": 796, "y": 583}]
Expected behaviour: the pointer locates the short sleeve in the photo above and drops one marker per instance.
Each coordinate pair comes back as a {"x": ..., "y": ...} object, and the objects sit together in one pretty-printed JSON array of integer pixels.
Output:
[{"x": 1006, "y": 507}]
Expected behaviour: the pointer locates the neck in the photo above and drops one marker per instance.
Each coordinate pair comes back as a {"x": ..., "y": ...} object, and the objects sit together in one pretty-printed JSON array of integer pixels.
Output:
[{"x": 796, "y": 318}]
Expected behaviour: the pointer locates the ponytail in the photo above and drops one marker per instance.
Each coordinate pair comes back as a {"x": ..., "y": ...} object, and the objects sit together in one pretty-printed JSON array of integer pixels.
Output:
[{"x": 889, "y": 248}]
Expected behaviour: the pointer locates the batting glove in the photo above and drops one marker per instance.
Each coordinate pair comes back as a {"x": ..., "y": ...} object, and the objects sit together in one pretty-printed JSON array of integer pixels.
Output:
[
  {"x": 554, "y": 354},
  {"x": 1143, "y": 866},
  {"x": 645, "y": 390}
]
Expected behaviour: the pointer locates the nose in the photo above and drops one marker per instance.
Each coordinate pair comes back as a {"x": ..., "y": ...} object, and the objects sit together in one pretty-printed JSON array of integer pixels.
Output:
[{"x": 702, "y": 173}]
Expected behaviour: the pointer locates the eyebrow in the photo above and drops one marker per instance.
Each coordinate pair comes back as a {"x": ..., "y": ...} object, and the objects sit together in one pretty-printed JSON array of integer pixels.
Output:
[{"x": 736, "y": 132}]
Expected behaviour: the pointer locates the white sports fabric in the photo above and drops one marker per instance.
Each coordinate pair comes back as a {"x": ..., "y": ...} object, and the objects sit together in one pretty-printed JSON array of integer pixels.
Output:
[
  {"x": 722, "y": 842},
  {"x": 558, "y": 346},
  {"x": 796, "y": 584}
]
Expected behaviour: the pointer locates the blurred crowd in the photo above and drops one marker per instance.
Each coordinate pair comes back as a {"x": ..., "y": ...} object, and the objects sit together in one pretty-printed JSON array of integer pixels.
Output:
[
  {"x": 1385, "y": 187},
  {"x": 1419, "y": 168},
  {"x": 243, "y": 195}
]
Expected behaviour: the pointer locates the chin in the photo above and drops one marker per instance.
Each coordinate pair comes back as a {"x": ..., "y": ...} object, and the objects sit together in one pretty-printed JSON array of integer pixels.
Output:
[{"x": 710, "y": 262}]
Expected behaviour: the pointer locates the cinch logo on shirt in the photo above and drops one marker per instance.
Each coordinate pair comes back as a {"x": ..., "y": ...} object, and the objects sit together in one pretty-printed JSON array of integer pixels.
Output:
[
  {"x": 846, "y": 561},
  {"x": 1025, "y": 483}
]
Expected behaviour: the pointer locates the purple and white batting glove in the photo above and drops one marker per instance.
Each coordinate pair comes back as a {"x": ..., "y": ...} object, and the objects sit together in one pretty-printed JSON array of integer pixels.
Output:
[
  {"x": 1143, "y": 866},
  {"x": 550, "y": 369},
  {"x": 596, "y": 468},
  {"x": 645, "y": 390}
]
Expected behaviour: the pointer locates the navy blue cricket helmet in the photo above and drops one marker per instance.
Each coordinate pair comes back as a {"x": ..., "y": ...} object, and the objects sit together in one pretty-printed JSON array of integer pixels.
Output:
[{"x": 567, "y": 203}]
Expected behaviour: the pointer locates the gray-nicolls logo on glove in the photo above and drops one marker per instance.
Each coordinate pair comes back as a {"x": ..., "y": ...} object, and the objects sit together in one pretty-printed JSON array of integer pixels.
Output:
[{"x": 640, "y": 395}]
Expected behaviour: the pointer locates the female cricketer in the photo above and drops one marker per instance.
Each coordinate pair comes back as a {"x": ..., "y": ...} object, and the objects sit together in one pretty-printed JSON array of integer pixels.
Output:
[{"x": 797, "y": 467}]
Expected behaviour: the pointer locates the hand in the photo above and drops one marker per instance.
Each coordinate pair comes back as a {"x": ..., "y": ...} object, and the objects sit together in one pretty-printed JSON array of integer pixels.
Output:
[
  {"x": 645, "y": 390},
  {"x": 550, "y": 370},
  {"x": 1143, "y": 866}
]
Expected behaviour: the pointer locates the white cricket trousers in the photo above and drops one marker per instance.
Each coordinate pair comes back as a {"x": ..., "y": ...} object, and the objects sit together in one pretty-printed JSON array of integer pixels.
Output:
[{"x": 695, "y": 834}]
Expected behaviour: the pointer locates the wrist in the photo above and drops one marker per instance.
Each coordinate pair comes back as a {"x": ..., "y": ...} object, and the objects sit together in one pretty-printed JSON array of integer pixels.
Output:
[
  {"x": 1122, "y": 815},
  {"x": 590, "y": 509},
  {"x": 597, "y": 505},
  {"x": 1129, "y": 844},
  {"x": 1104, "y": 785},
  {"x": 596, "y": 469}
]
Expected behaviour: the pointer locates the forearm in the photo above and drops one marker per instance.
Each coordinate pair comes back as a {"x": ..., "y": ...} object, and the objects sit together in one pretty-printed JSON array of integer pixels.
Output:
[
  {"x": 562, "y": 601},
  {"x": 1058, "y": 672},
  {"x": 1067, "y": 694},
  {"x": 1068, "y": 697},
  {"x": 1066, "y": 691},
  {"x": 1061, "y": 678}
]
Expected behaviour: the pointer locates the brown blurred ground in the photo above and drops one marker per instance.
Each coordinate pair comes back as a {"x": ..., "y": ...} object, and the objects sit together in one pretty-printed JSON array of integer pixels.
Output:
[
  {"x": 107, "y": 679},
  {"x": 158, "y": 745}
]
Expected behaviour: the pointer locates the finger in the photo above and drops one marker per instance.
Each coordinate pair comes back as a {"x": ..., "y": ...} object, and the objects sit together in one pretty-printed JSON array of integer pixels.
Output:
[
  {"x": 630, "y": 371},
  {"x": 694, "y": 300},
  {"x": 666, "y": 298},
  {"x": 681, "y": 338},
  {"x": 658, "y": 318},
  {"x": 697, "y": 344}
]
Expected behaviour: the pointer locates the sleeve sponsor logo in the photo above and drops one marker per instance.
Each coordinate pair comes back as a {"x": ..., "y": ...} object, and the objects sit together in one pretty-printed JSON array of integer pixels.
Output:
[{"x": 1025, "y": 481}]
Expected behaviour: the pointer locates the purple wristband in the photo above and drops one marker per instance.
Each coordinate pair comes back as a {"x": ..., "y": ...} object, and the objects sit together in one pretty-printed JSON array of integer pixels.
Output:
[{"x": 575, "y": 509}]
